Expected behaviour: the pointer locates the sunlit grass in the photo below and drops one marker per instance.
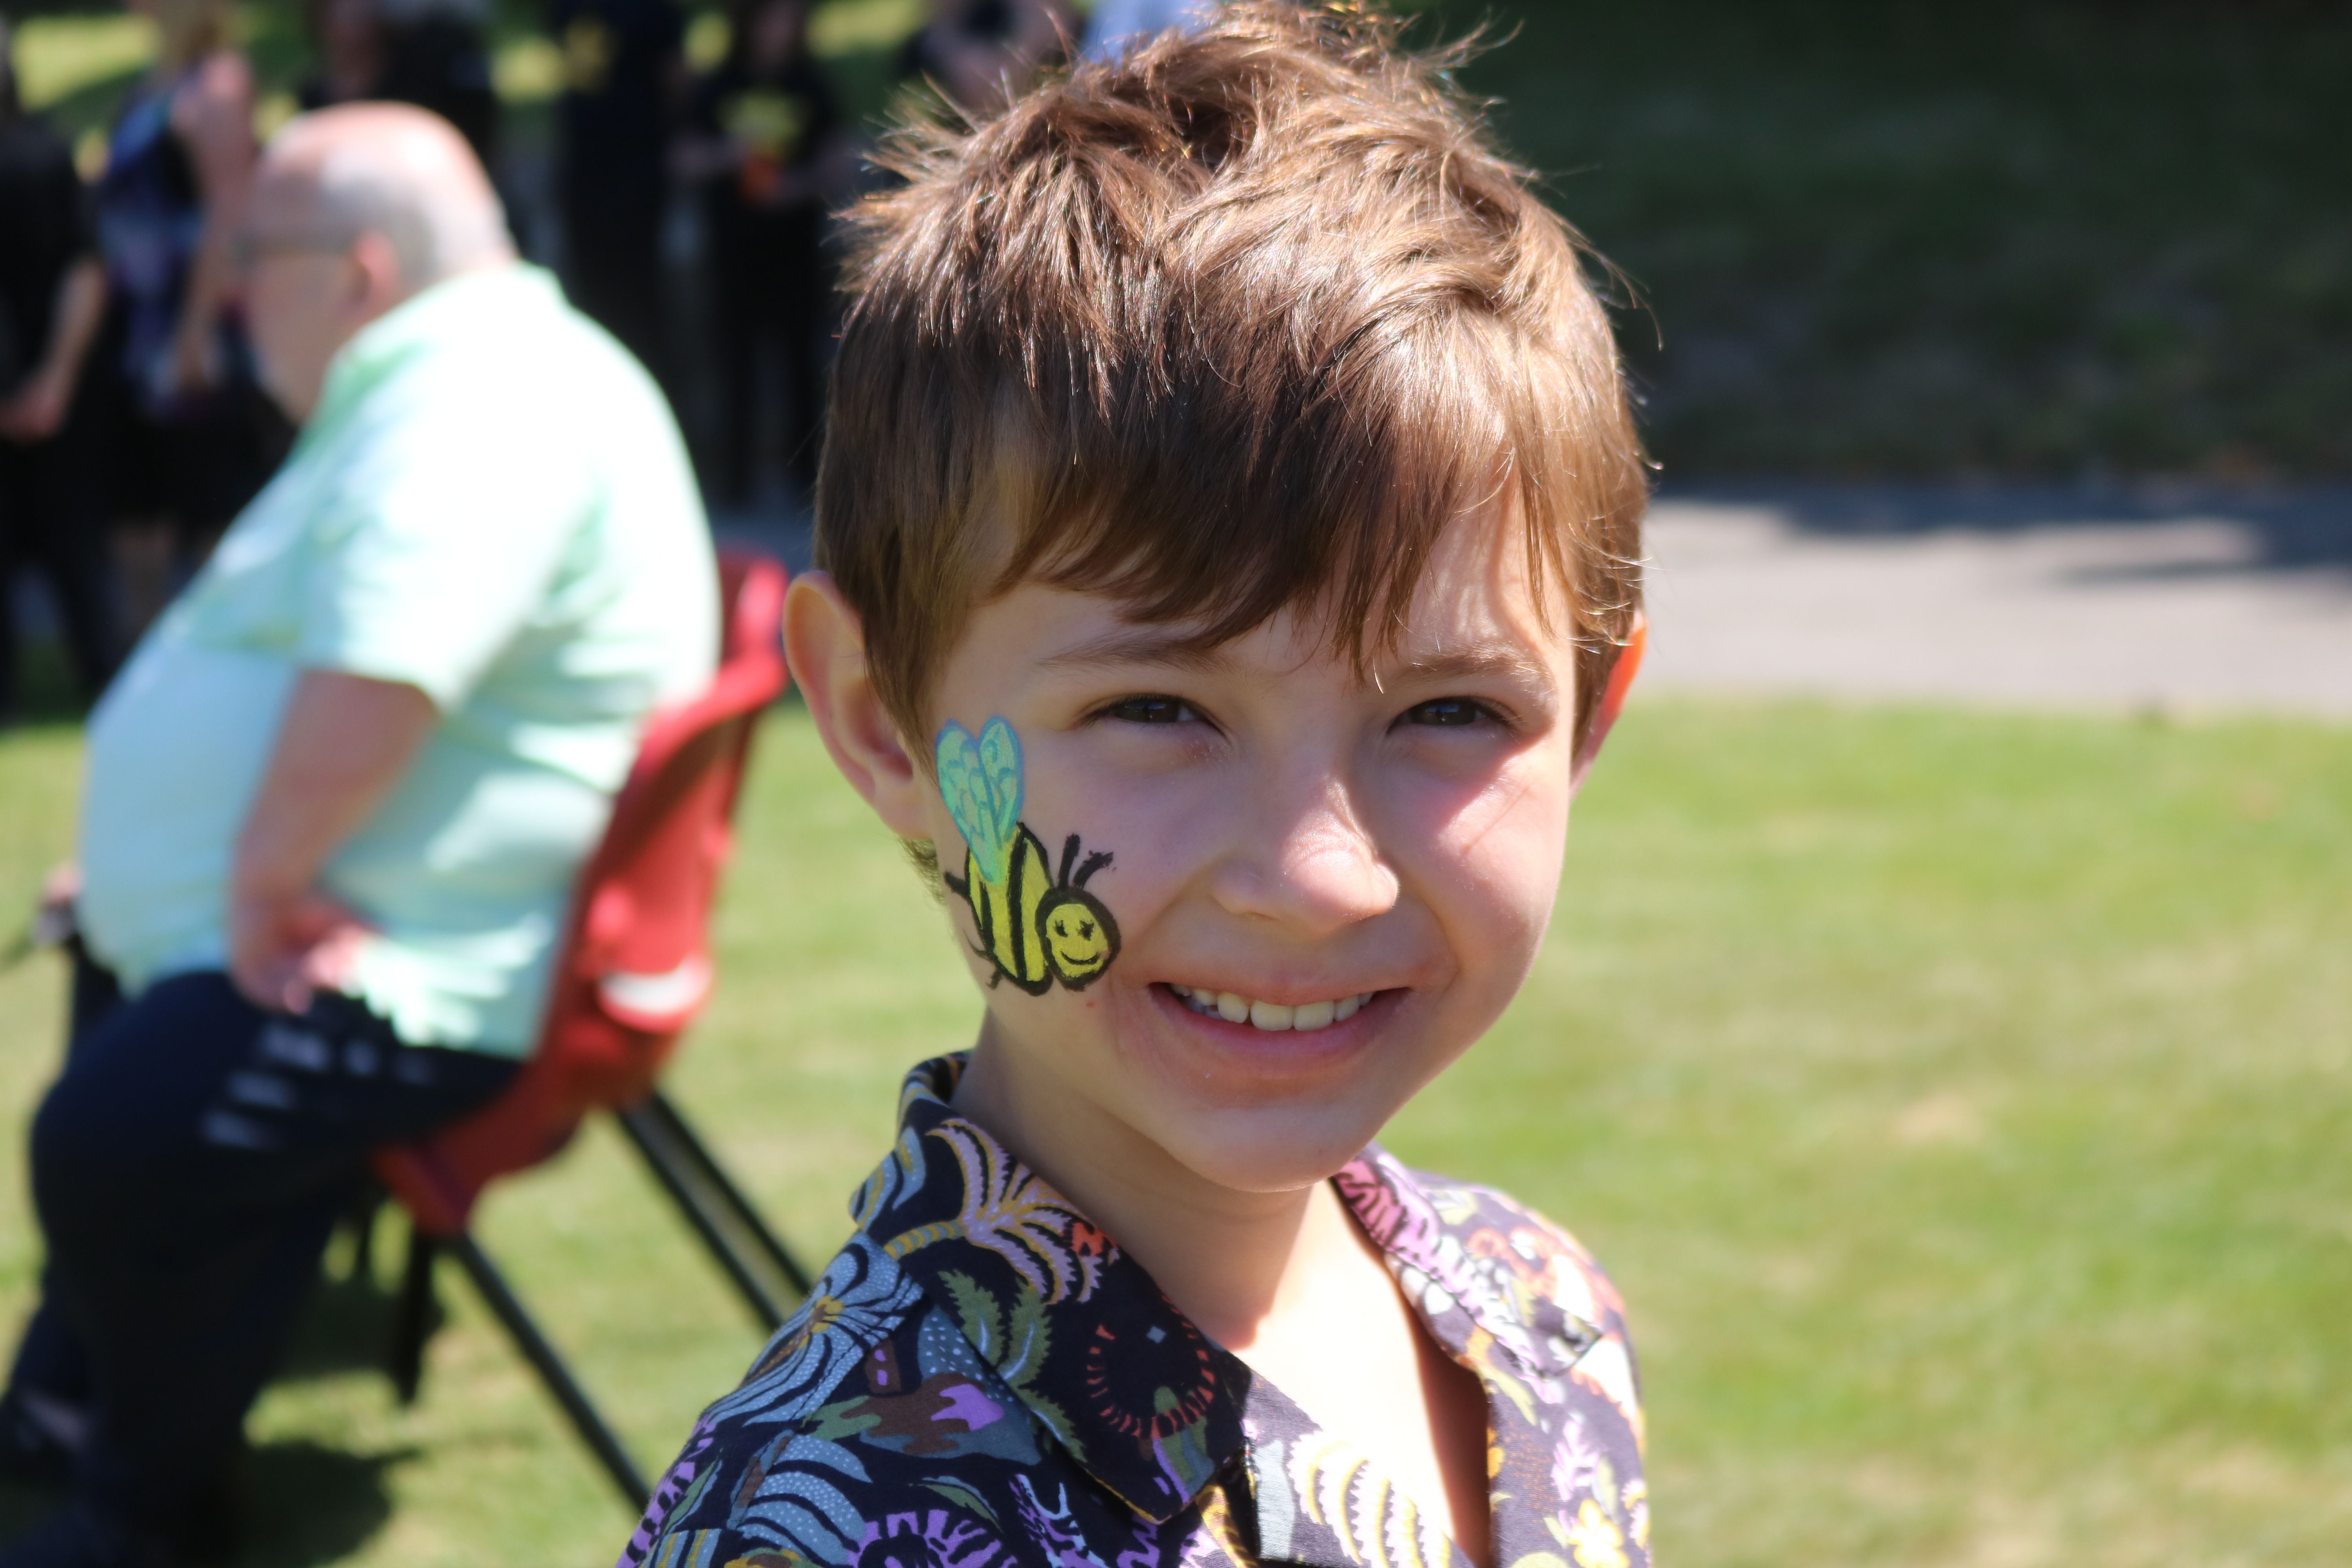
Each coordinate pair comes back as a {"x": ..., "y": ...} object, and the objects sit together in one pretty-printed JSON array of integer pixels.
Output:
[{"x": 1958, "y": 1098}]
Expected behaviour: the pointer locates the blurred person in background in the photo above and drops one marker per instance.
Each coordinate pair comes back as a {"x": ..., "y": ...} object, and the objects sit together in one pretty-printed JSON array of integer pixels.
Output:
[
  {"x": 52, "y": 296},
  {"x": 766, "y": 147},
  {"x": 625, "y": 84},
  {"x": 434, "y": 53},
  {"x": 1119, "y": 24},
  {"x": 334, "y": 805},
  {"x": 187, "y": 435},
  {"x": 979, "y": 54}
]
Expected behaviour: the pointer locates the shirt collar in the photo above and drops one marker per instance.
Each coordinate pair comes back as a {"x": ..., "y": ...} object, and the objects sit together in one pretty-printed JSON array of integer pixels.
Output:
[{"x": 1142, "y": 1400}]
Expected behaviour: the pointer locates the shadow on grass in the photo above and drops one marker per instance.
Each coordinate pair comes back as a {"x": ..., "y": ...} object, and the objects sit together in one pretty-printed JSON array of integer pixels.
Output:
[
  {"x": 347, "y": 1327},
  {"x": 304, "y": 1504},
  {"x": 2286, "y": 527},
  {"x": 309, "y": 1504}
]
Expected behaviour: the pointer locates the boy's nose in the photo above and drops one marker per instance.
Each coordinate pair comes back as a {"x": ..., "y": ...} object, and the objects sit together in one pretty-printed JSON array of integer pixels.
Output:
[{"x": 1312, "y": 867}]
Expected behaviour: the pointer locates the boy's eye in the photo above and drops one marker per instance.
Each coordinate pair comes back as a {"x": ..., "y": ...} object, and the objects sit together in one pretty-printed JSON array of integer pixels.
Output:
[
  {"x": 1449, "y": 712},
  {"x": 1151, "y": 711}
]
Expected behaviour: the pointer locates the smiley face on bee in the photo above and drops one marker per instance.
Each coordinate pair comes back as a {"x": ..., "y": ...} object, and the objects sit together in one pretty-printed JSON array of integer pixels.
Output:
[{"x": 1036, "y": 923}]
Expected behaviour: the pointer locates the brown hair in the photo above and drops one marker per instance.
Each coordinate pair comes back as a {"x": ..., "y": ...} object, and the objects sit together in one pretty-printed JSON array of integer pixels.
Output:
[{"x": 1238, "y": 321}]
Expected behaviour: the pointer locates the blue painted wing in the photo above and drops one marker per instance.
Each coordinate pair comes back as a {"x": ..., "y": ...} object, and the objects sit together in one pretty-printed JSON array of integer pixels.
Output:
[{"x": 980, "y": 780}]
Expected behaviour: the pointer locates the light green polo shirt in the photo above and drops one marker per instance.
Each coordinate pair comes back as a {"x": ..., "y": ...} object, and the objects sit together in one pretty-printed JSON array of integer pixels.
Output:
[{"x": 490, "y": 503}]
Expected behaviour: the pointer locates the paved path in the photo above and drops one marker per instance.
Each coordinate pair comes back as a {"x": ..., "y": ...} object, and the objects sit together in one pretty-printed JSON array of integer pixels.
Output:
[{"x": 2184, "y": 602}]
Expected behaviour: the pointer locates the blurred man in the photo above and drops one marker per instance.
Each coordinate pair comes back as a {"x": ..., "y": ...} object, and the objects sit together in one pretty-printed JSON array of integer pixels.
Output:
[
  {"x": 52, "y": 298},
  {"x": 336, "y": 801}
]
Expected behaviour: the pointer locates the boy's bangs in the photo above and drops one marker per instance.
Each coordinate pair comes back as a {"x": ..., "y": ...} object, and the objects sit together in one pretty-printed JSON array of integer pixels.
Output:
[
  {"x": 1221, "y": 498},
  {"x": 1238, "y": 324}
]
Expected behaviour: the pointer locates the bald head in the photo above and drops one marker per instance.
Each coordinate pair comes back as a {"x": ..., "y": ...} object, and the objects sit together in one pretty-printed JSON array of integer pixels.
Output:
[
  {"x": 354, "y": 211},
  {"x": 390, "y": 170}
]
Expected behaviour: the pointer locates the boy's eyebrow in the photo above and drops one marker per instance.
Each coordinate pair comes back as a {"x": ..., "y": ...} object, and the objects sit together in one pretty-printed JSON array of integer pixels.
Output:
[
  {"x": 1482, "y": 660},
  {"x": 1137, "y": 644},
  {"x": 1153, "y": 645}
]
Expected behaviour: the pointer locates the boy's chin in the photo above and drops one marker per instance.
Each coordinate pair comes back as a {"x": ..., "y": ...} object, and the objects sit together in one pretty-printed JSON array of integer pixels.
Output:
[{"x": 1267, "y": 1151}]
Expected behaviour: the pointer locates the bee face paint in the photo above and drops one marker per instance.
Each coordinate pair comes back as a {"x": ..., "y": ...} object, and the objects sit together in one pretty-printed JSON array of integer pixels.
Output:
[{"x": 1036, "y": 922}]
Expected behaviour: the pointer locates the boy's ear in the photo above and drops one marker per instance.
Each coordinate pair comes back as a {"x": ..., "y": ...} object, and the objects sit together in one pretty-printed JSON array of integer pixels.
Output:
[
  {"x": 826, "y": 647},
  {"x": 1612, "y": 700}
]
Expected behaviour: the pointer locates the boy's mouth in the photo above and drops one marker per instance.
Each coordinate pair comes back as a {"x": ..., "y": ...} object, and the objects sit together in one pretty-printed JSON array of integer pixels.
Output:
[{"x": 1271, "y": 1016}]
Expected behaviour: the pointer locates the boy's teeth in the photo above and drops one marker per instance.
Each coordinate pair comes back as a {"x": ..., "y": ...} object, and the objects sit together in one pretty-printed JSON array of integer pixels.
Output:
[{"x": 1272, "y": 1016}]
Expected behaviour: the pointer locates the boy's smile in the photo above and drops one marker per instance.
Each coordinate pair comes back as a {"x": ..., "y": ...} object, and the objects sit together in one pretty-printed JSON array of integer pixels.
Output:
[{"x": 1325, "y": 883}]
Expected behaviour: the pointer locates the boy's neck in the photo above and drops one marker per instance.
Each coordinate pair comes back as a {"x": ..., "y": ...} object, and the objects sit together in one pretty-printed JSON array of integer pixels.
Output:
[{"x": 1230, "y": 1261}]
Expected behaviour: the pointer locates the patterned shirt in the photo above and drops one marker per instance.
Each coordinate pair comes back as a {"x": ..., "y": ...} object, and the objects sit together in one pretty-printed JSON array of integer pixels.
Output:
[{"x": 983, "y": 1379}]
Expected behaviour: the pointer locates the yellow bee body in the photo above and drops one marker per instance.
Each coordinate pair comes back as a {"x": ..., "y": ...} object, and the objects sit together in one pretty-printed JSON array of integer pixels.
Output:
[
  {"x": 1036, "y": 927},
  {"x": 1007, "y": 914}
]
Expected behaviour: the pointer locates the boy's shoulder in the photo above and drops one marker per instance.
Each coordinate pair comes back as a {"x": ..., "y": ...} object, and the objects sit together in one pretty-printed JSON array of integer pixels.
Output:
[
  {"x": 1500, "y": 1275},
  {"x": 924, "y": 1386},
  {"x": 864, "y": 1398}
]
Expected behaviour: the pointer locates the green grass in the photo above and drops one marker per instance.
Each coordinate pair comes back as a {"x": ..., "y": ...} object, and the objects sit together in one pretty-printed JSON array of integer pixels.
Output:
[{"x": 1959, "y": 1100}]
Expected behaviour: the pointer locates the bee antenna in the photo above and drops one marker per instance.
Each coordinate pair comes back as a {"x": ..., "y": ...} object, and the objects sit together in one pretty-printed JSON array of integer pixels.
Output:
[
  {"x": 1070, "y": 859},
  {"x": 1097, "y": 861}
]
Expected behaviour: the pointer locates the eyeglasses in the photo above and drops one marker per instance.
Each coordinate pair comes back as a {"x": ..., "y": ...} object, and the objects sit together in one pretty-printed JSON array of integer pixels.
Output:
[{"x": 247, "y": 248}]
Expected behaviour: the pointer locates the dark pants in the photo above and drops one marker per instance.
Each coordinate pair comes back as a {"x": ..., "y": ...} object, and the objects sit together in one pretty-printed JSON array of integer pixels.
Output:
[
  {"x": 49, "y": 520},
  {"x": 772, "y": 297},
  {"x": 612, "y": 267},
  {"x": 188, "y": 1167}
]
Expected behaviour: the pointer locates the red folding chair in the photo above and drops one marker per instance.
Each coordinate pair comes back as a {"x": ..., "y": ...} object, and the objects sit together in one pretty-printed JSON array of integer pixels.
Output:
[{"x": 634, "y": 971}]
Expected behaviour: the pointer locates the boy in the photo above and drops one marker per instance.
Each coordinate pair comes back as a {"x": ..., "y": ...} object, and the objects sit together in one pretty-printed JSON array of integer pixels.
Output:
[{"x": 1230, "y": 517}]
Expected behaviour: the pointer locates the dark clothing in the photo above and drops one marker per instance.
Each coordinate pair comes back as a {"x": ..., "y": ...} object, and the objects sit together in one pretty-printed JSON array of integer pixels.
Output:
[
  {"x": 771, "y": 281},
  {"x": 150, "y": 223},
  {"x": 442, "y": 63},
  {"x": 44, "y": 230},
  {"x": 188, "y": 1166},
  {"x": 48, "y": 511},
  {"x": 983, "y": 1378},
  {"x": 621, "y": 59},
  {"x": 47, "y": 522},
  {"x": 438, "y": 62},
  {"x": 197, "y": 468},
  {"x": 771, "y": 299},
  {"x": 196, "y": 457},
  {"x": 980, "y": 21},
  {"x": 782, "y": 119}
]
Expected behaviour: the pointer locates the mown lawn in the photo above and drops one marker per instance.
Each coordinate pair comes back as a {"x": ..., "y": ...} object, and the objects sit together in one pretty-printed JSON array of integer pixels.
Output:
[{"x": 1959, "y": 1100}]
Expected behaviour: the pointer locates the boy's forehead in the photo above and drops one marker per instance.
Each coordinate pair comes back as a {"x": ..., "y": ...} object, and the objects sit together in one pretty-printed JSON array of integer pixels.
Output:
[{"x": 1475, "y": 611}]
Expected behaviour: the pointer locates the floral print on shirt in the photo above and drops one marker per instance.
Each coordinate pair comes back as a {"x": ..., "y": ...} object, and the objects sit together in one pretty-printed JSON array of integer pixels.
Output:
[{"x": 983, "y": 1379}]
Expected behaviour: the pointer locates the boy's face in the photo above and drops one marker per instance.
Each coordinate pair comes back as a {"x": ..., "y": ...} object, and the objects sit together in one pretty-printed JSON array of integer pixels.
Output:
[{"x": 1281, "y": 831}]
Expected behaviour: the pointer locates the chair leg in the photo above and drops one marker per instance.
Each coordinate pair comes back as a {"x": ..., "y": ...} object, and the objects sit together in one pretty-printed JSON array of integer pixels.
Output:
[
  {"x": 412, "y": 1323},
  {"x": 600, "y": 1437},
  {"x": 680, "y": 1178},
  {"x": 733, "y": 1195},
  {"x": 365, "y": 1210}
]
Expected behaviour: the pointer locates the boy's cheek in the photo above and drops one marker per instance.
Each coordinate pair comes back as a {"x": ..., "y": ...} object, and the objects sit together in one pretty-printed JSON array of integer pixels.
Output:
[{"x": 1494, "y": 881}]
